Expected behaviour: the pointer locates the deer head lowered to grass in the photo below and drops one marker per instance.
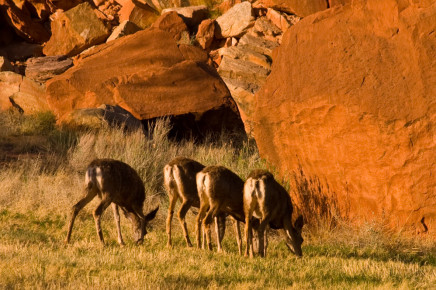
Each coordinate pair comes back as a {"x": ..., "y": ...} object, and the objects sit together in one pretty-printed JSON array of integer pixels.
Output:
[
  {"x": 266, "y": 199},
  {"x": 116, "y": 183}
]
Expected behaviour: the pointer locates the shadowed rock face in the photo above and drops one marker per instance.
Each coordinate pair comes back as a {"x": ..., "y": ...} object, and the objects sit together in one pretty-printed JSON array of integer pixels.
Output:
[
  {"x": 350, "y": 102},
  {"x": 150, "y": 76}
]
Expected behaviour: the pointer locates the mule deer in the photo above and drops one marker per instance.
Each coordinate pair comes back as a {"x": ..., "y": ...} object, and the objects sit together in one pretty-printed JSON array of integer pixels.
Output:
[
  {"x": 267, "y": 200},
  {"x": 118, "y": 184},
  {"x": 220, "y": 191}
]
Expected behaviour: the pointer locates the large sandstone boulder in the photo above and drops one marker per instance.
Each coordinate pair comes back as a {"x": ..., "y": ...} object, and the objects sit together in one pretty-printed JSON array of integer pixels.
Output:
[
  {"x": 75, "y": 30},
  {"x": 349, "y": 110},
  {"x": 21, "y": 93},
  {"x": 300, "y": 8},
  {"x": 147, "y": 74}
]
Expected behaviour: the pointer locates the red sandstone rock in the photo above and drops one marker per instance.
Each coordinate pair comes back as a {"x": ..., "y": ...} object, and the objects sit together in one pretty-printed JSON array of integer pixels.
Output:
[
  {"x": 300, "y": 8},
  {"x": 146, "y": 73},
  {"x": 192, "y": 15},
  {"x": 75, "y": 30},
  {"x": 235, "y": 21},
  {"x": 143, "y": 16},
  {"x": 206, "y": 32},
  {"x": 172, "y": 23},
  {"x": 350, "y": 104},
  {"x": 22, "y": 93}
]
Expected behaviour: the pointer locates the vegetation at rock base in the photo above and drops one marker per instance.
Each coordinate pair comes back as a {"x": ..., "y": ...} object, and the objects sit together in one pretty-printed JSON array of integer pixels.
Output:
[{"x": 41, "y": 177}]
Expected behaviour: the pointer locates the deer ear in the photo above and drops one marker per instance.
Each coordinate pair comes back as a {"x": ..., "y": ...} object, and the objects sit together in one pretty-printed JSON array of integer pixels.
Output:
[{"x": 299, "y": 223}]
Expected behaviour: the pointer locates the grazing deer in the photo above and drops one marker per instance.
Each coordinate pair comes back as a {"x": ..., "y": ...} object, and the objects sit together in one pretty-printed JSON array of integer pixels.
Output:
[
  {"x": 180, "y": 183},
  {"x": 221, "y": 192},
  {"x": 118, "y": 184},
  {"x": 267, "y": 200}
]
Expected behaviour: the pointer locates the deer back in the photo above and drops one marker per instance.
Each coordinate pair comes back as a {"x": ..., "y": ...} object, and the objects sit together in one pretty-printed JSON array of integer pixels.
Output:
[
  {"x": 180, "y": 173},
  {"x": 116, "y": 180},
  {"x": 221, "y": 184},
  {"x": 270, "y": 197}
]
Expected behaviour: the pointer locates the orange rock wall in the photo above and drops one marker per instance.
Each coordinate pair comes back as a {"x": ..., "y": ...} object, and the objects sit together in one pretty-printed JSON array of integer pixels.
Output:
[{"x": 351, "y": 100}]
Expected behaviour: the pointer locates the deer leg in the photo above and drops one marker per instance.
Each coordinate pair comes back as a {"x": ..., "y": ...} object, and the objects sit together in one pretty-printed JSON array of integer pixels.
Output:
[
  {"x": 97, "y": 216},
  {"x": 173, "y": 200},
  {"x": 115, "y": 209},
  {"x": 220, "y": 223},
  {"x": 261, "y": 233},
  {"x": 202, "y": 211},
  {"x": 208, "y": 220},
  {"x": 220, "y": 228},
  {"x": 266, "y": 242},
  {"x": 90, "y": 194},
  {"x": 182, "y": 213},
  {"x": 248, "y": 235},
  {"x": 255, "y": 235},
  {"x": 238, "y": 235}
]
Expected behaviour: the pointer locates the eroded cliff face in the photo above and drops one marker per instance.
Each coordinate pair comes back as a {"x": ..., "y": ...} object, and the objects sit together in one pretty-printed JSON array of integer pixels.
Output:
[{"x": 350, "y": 106}]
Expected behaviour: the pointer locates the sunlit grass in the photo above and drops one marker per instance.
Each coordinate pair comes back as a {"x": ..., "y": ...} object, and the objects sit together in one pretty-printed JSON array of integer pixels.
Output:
[{"x": 37, "y": 192}]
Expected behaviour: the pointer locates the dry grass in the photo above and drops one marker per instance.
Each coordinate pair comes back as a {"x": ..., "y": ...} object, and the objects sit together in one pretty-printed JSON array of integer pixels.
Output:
[{"x": 38, "y": 189}]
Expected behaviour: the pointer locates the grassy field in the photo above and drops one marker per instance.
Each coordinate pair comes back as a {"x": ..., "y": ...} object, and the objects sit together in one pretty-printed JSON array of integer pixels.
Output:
[{"x": 41, "y": 177}]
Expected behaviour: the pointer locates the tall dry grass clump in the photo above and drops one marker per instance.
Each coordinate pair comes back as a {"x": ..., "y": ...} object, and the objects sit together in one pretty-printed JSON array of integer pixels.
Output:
[{"x": 51, "y": 180}]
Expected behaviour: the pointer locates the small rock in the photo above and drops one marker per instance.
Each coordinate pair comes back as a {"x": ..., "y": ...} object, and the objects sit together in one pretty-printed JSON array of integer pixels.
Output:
[
  {"x": 174, "y": 24},
  {"x": 242, "y": 70},
  {"x": 143, "y": 16},
  {"x": 235, "y": 22},
  {"x": 125, "y": 28},
  {"x": 264, "y": 27},
  {"x": 206, "y": 33},
  {"x": 41, "y": 69},
  {"x": 75, "y": 30},
  {"x": 192, "y": 15},
  {"x": 259, "y": 44},
  {"x": 225, "y": 5},
  {"x": 245, "y": 53}
]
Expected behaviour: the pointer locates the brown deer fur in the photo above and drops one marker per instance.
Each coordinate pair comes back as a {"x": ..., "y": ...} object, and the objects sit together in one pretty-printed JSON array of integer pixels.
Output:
[
  {"x": 220, "y": 191},
  {"x": 266, "y": 199},
  {"x": 179, "y": 181},
  {"x": 114, "y": 182}
]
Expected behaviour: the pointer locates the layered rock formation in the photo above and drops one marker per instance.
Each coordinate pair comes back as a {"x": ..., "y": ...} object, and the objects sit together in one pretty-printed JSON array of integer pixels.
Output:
[
  {"x": 349, "y": 111},
  {"x": 150, "y": 76}
]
